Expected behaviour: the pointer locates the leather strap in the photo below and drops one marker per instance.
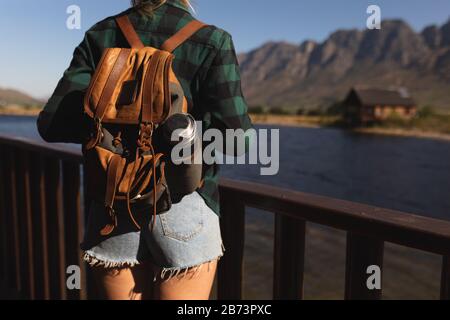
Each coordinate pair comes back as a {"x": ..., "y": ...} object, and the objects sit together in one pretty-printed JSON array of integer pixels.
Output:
[
  {"x": 155, "y": 191},
  {"x": 167, "y": 96},
  {"x": 181, "y": 36},
  {"x": 155, "y": 109},
  {"x": 110, "y": 85},
  {"x": 160, "y": 104},
  {"x": 129, "y": 32},
  {"x": 147, "y": 95},
  {"x": 113, "y": 175},
  {"x": 130, "y": 183}
]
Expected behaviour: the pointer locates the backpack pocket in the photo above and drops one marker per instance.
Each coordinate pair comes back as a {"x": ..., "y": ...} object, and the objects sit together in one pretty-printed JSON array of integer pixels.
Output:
[{"x": 122, "y": 184}]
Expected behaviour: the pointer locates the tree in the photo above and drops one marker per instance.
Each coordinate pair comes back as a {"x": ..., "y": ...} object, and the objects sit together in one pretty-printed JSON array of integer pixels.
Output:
[
  {"x": 257, "y": 110},
  {"x": 279, "y": 111},
  {"x": 426, "y": 112},
  {"x": 336, "y": 109}
]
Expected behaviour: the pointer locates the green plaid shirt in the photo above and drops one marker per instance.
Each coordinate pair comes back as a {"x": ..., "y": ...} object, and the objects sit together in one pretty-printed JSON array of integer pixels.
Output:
[{"x": 206, "y": 66}]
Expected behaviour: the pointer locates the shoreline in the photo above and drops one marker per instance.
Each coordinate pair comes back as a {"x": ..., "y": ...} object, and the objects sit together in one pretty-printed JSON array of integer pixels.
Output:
[
  {"x": 18, "y": 111},
  {"x": 319, "y": 122},
  {"x": 398, "y": 132},
  {"x": 293, "y": 121}
]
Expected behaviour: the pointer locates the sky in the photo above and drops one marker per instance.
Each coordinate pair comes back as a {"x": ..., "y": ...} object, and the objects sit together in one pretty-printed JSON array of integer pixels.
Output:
[{"x": 37, "y": 46}]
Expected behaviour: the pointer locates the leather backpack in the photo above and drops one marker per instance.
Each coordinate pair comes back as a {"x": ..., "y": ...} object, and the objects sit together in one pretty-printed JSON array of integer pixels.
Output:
[{"x": 132, "y": 92}]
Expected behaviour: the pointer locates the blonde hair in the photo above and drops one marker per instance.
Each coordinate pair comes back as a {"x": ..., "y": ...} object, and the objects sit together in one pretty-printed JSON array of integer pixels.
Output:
[{"x": 149, "y": 6}]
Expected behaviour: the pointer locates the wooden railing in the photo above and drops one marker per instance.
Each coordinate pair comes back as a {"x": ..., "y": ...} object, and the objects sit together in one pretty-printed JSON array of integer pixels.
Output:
[{"x": 42, "y": 214}]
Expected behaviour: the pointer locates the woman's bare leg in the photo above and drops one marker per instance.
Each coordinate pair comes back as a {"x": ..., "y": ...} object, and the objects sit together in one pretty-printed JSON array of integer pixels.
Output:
[
  {"x": 195, "y": 285},
  {"x": 134, "y": 283}
]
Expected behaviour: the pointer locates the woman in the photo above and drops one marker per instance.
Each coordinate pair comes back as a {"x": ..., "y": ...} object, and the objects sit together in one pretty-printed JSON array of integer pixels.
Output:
[{"x": 178, "y": 258}]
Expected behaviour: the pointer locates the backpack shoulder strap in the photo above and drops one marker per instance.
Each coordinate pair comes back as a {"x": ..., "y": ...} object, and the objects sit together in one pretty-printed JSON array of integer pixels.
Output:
[
  {"x": 181, "y": 36},
  {"x": 129, "y": 32}
]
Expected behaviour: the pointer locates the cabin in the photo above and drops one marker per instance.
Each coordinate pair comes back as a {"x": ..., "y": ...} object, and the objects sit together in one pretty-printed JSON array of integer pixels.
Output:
[{"x": 364, "y": 106}]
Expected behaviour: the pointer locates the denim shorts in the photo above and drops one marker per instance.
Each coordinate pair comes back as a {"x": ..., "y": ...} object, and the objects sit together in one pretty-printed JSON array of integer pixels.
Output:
[{"x": 185, "y": 237}]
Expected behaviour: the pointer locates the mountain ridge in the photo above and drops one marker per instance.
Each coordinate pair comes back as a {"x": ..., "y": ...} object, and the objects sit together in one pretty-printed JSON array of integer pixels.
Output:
[
  {"x": 16, "y": 97},
  {"x": 313, "y": 75}
]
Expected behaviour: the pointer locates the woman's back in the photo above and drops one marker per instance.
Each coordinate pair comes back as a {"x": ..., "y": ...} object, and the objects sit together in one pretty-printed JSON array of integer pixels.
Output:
[
  {"x": 206, "y": 66},
  {"x": 187, "y": 236}
]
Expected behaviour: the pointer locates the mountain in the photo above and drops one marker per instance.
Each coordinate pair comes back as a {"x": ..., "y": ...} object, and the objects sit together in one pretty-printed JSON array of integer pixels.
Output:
[
  {"x": 14, "y": 97},
  {"x": 314, "y": 75}
]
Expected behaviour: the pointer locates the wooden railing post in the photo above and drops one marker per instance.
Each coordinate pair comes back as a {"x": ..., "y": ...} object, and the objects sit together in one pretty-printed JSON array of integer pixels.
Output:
[
  {"x": 90, "y": 289},
  {"x": 11, "y": 219},
  {"x": 289, "y": 258},
  {"x": 73, "y": 222},
  {"x": 233, "y": 233},
  {"x": 25, "y": 223},
  {"x": 56, "y": 237},
  {"x": 445, "y": 278},
  {"x": 40, "y": 229},
  {"x": 3, "y": 230},
  {"x": 362, "y": 252}
]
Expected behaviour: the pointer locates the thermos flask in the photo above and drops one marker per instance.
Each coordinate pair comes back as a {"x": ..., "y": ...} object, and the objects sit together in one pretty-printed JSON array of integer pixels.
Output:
[{"x": 181, "y": 139}]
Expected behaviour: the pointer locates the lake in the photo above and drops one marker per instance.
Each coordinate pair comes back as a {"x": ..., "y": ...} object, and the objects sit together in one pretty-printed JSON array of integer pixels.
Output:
[{"x": 406, "y": 174}]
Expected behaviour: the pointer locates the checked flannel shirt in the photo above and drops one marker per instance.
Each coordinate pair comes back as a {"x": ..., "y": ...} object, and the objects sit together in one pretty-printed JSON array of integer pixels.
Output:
[{"x": 206, "y": 66}]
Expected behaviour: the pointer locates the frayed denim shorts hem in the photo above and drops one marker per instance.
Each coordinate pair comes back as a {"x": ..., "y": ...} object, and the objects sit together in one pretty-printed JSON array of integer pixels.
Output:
[{"x": 184, "y": 239}]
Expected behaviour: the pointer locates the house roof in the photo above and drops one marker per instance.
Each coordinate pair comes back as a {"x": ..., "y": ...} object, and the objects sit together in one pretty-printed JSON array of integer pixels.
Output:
[{"x": 371, "y": 97}]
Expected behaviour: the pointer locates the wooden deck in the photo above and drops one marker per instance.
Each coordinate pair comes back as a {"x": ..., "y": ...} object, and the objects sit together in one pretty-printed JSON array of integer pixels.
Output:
[{"x": 42, "y": 212}]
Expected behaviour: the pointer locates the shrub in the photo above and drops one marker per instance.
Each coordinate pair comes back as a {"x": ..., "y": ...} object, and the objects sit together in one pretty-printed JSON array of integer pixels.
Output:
[
  {"x": 426, "y": 111},
  {"x": 257, "y": 110},
  {"x": 314, "y": 112},
  {"x": 279, "y": 111},
  {"x": 335, "y": 109},
  {"x": 301, "y": 111}
]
